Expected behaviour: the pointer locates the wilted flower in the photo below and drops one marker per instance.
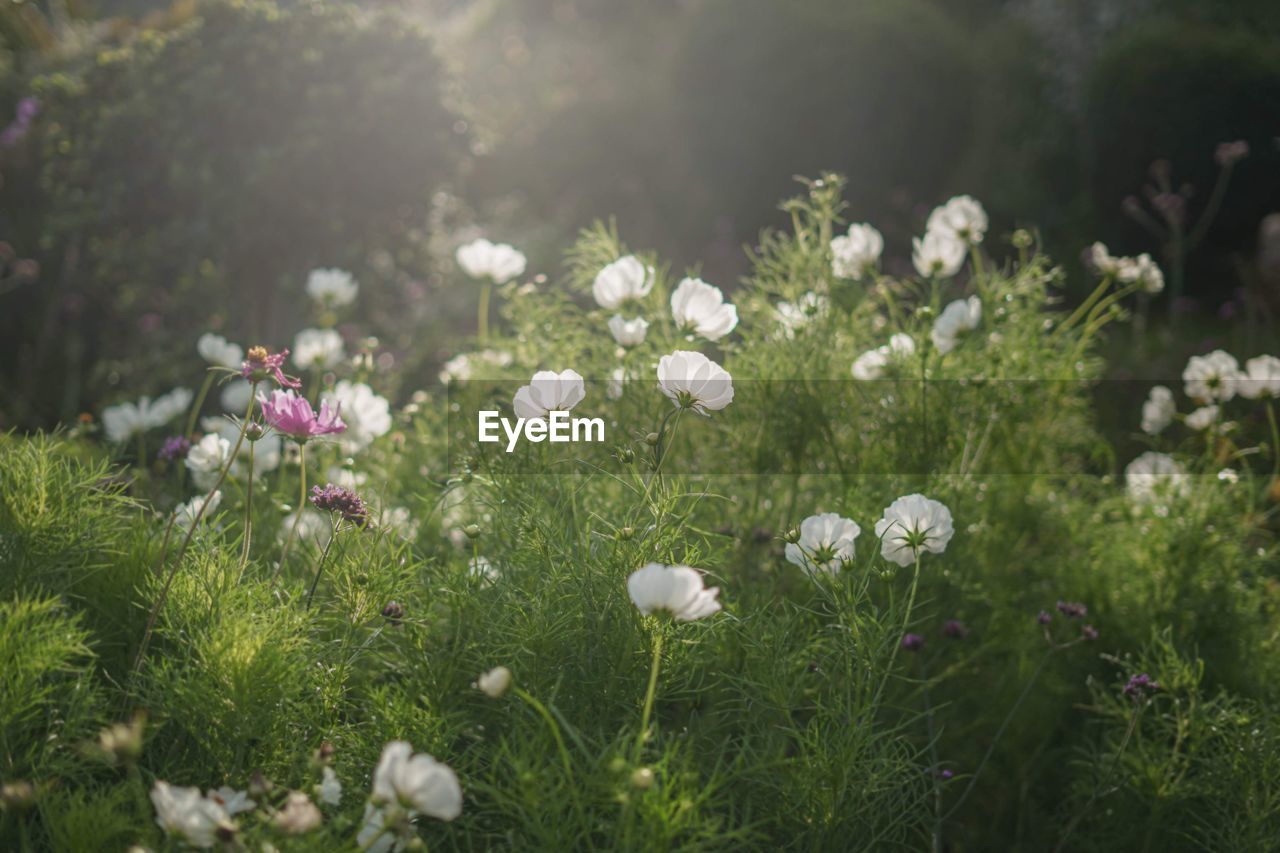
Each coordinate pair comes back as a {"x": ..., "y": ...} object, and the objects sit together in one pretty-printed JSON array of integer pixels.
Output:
[
  {"x": 962, "y": 216},
  {"x": 960, "y": 316},
  {"x": 318, "y": 349},
  {"x": 911, "y": 525},
  {"x": 693, "y": 381},
  {"x": 676, "y": 590},
  {"x": 344, "y": 502},
  {"x": 174, "y": 447},
  {"x": 497, "y": 261},
  {"x": 872, "y": 363},
  {"x": 1158, "y": 410},
  {"x": 366, "y": 414},
  {"x": 495, "y": 682},
  {"x": 855, "y": 253},
  {"x": 207, "y": 459},
  {"x": 298, "y": 815},
  {"x": 333, "y": 287},
  {"x": 912, "y": 642},
  {"x": 417, "y": 783},
  {"x": 476, "y": 365},
  {"x": 793, "y": 315},
  {"x": 291, "y": 415},
  {"x": 185, "y": 515},
  {"x": 1261, "y": 378},
  {"x": 622, "y": 281},
  {"x": 628, "y": 333},
  {"x": 826, "y": 543},
  {"x": 329, "y": 790},
  {"x": 217, "y": 351},
  {"x": 700, "y": 308},
  {"x": 183, "y": 812},
  {"x": 262, "y": 366},
  {"x": 1153, "y": 475},
  {"x": 1203, "y": 418},
  {"x": 232, "y": 801},
  {"x": 1211, "y": 377},
  {"x": 548, "y": 392}
]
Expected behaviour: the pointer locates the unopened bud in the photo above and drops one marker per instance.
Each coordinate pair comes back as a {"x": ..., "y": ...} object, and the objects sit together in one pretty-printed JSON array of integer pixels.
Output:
[
  {"x": 651, "y": 439},
  {"x": 472, "y": 531},
  {"x": 642, "y": 779}
]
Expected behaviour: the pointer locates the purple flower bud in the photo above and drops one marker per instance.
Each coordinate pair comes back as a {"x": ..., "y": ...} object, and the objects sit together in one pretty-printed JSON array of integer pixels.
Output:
[
  {"x": 1043, "y": 617},
  {"x": 1072, "y": 609},
  {"x": 946, "y": 774},
  {"x": 174, "y": 447},
  {"x": 1140, "y": 685},
  {"x": 912, "y": 642},
  {"x": 955, "y": 629},
  {"x": 1089, "y": 632}
]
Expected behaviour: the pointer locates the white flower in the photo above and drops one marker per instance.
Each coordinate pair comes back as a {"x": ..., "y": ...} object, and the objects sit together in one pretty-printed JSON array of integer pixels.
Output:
[
  {"x": 346, "y": 477},
  {"x": 1229, "y": 475},
  {"x": 495, "y": 682},
  {"x": 206, "y": 459},
  {"x": 872, "y": 363},
  {"x": 233, "y": 801},
  {"x": 166, "y": 407},
  {"x": 481, "y": 567},
  {"x": 298, "y": 815},
  {"x": 373, "y": 838},
  {"x": 218, "y": 352},
  {"x": 1211, "y": 377},
  {"x": 318, "y": 349},
  {"x": 329, "y": 790},
  {"x": 497, "y": 261},
  {"x": 700, "y": 307},
  {"x": 186, "y": 814},
  {"x": 962, "y": 315},
  {"x": 367, "y": 415},
  {"x": 1142, "y": 270},
  {"x": 853, "y": 254},
  {"x": 963, "y": 217},
  {"x": 549, "y": 391},
  {"x": 793, "y": 315},
  {"x": 474, "y": 365},
  {"x": 1203, "y": 418},
  {"x": 693, "y": 381},
  {"x": 313, "y": 527},
  {"x": 617, "y": 383},
  {"x": 185, "y": 515},
  {"x": 826, "y": 543},
  {"x": 1261, "y": 378},
  {"x": 1158, "y": 410},
  {"x": 623, "y": 280},
  {"x": 333, "y": 287},
  {"x": 628, "y": 333},
  {"x": 1153, "y": 475},
  {"x": 1102, "y": 261},
  {"x": 123, "y": 421},
  {"x": 938, "y": 254},
  {"x": 677, "y": 590},
  {"x": 417, "y": 783},
  {"x": 235, "y": 396},
  {"x": 911, "y": 525}
]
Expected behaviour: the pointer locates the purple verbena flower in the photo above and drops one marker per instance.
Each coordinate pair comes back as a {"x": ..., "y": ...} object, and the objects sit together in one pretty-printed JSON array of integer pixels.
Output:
[
  {"x": 1089, "y": 632},
  {"x": 912, "y": 642},
  {"x": 174, "y": 447},
  {"x": 260, "y": 366},
  {"x": 1044, "y": 617},
  {"x": 291, "y": 415},
  {"x": 1140, "y": 685},
  {"x": 1072, "y": 609},
  {"x": 343, "y": 501}
]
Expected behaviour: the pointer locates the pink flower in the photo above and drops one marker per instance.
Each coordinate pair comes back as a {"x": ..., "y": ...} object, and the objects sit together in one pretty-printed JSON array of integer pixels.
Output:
[
  {"x": 291, "y": 415},
  {"x": 260, "y": 365}
]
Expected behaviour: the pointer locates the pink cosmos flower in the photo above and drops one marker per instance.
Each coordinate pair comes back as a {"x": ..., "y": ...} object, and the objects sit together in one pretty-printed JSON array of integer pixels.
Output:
[
  {"x": 260, "y": 365},
  {"x": 291, "y": 415}
]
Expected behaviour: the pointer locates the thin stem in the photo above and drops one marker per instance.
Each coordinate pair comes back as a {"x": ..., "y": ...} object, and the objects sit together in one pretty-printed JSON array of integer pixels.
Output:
[
  {"x": 248, "y": 513},
  {"x": 199, "y": 403},
  {"x": 324, "y": 555},
  {"x": 650, "y": 693},
  {"x": 302, "y": 502},
  {"x": 565, "y": 759},
  {"x": 906, "y": 621},
  {"x": 482, "y": 317}
]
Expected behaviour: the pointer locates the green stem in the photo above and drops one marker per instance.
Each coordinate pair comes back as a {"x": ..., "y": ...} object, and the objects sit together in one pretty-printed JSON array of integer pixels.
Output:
[
  {"x": 199, "y": 403},
  {"x": 248, "y": 513},
  {"x": 650, "y": 693},
  {"x": 324, "y": 555},
  {"x": 565, "y": 759},
  {"x": 302, "y": 502}
]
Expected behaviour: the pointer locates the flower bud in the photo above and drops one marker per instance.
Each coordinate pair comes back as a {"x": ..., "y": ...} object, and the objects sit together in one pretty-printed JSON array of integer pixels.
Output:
[
  {"x": 642, "y": 779},
  {"x": 626, "y": 533},
  {"x": 626, "y": 455},
  {"x": 472, "y": 531},
  {"x": 651, "y": 439},
  {"x": 1021, "y": 239},
  {"x": 792, "y": 536},
  {"x": 254, "y": 431}
]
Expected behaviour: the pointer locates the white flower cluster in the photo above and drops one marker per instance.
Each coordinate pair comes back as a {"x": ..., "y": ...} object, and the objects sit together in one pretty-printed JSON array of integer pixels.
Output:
[
  {"x": 1141, "y": 270},
  {"x": 1210, "y": 381},
  {"x": 949, "y": 232},
  {"x": 909, "y": 527},
  {"x": 498, "y": 262}
]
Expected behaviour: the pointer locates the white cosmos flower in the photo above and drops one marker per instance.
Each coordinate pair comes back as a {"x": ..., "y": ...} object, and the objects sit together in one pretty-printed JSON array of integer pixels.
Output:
[
  {"x": 700, "y": 308},
  {"x": 367, "y": 415},
  {"x": 168, "y": 406},
  {"x": 1203, "y": 418},
  {"x": 206, "y": 459},
  {"x": 333, "y": 287},
  {"x": 676, "y": 590},
  {"x": 939, "y": 254},
  {"x": 1142, "y": 270},
  {"x": 318, "y": 349},
  {"x": 825, "y": 545},
  {"x": 235, "y": 396},
  {"x": 962, "y": 315},
  {"x": 185, "y": 514},
  {"x": 497, "y": 261},
  {"x": 329, "y": 790},
  {"x": 417, "y": 783},
  {"x": 217, "y": 351},
  {"x": 1158, "y": 410},
  {"x": 871, "y": 364},
  {"x": 495, "y": 682},
  {"x": 628, "y": 333},
  {"x": 1102, "y": 261},
  {"x": 693, "y": 381},
  {"x": 912, "y": 525},
  {"x": 794, "y": 315},
  {"x": 125, "y": 420},
  {"x": 373, "y": 838},
  {"x": 233, "y": 801},
  {"x": 855, "y": 253},
  {"x": 184, "y": 813},
  {"x": 548, "y": 392},
  {"x": 1211, "y": 377},
  {"x": 1261, "y": 378},
  {"x": 622, "y": 281},
  {"x": 485, "y": 364},
  {"x": 962, "y": 216},
  {"x": 1154, "y": 475}
]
